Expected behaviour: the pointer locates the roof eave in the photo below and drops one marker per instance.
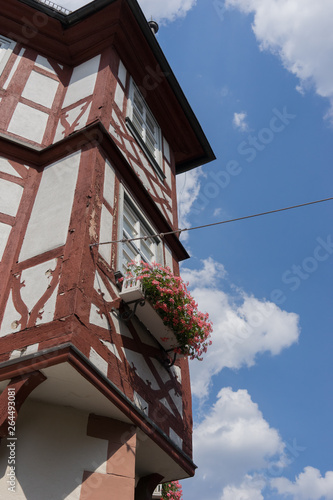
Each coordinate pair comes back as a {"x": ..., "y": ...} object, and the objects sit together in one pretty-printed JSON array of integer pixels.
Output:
[{"x": 86, "y": 11}]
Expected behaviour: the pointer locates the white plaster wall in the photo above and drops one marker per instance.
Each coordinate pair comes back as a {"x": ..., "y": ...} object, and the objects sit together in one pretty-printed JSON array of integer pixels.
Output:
[
  {"x": 142, "y": 176},
  {"x": 83, "y": 80},
  {"x": 168, "y": 212},
  {"x": 52, "y": 452},
  {"x": 119, "y": 97},
  {"x": 48, "y": 309},
  {"x": 140, "y": 403},
  {"x": 4, "y": 235},
  {"x": 28, "y": 122},
  {"x": 175, "y": 438},
  {"x": 6, "y": 167},
  {"x": 97, "y": 319},
  {"x": 18, "y": 353},
  {"x": 109, "y": 180},
  {"x": 115, "y": 134},
  {"x": 168, "y": 199},
  {"x": 177, "y": 399},
  {"x": 168, "y": 257},
  {"x": 122, "y": 73},
  {"x": 141, "y": 367},
  {"x": 60, "y": 132},
  {"x": 145, "y": 162},
  {"x": 177, "y": 373},
  {"x": 50, "y": 217},
  {"x": 157, "y": 189},
  {"x": 10, "y": 197},
  {"x": 43, "y": 63},
  {"x": 10, "y": 321},
  {"x": 167, "y": 161},
  {"x": 129, "y": 147},
  {"x": 14, "y": 68},
  {"x": 98, "y": 361},
  {"x": 121, "y": 327},
  {"x": 163, "y": 373},
  {"x": 164, "y": 402},
  {"x": 105, "y": 234},
  {"x": 73, "y": 114},
  {"x": 166, "y": 149},
  {"x": 36, "y": 281},
  {"x": 118, "y": 122},
  {"x": 101, "y": 288},
  {"x": 112, "y": 348},
  {"x": 40, "y": 89},
  {"x": 167, "y": 174}
]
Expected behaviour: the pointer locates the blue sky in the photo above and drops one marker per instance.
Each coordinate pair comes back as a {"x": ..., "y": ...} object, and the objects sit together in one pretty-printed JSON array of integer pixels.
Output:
[{"x": 258, "y": 74}]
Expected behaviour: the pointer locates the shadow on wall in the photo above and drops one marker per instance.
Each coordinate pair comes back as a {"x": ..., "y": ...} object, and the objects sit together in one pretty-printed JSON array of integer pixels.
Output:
[{"x": 52, "y": 453}]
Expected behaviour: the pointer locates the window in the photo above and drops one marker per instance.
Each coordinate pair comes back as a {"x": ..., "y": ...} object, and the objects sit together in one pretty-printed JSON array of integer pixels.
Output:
[
  {"x": 6, "y": 48},
  {"x": 144, "y": 128},
  {"x": 134, "y": 226}
]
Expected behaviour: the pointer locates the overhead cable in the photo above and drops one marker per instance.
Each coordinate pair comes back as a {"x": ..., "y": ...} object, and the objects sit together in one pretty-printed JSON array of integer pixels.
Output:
[{"x": 179, "y": 231}]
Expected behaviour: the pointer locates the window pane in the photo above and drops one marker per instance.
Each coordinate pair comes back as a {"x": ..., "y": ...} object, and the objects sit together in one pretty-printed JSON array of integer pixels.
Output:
[
  {"x": 151, "y": 145},
  {"x": 129, "y": 253},
  {"x": 138, "y": 122},
  {"x": 147, "y": 251},
  {"x": 138, "y": 102},
  {"x": 130, "y": 221},
  {"x": 145, "y": 123},
  {"x": 134, "y": 226},
  {"x": 150, "y": 125},
  {"x": 129, "y": 229}
]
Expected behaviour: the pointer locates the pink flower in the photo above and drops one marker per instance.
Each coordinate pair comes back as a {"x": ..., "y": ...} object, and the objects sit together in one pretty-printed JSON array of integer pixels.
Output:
[{"x": 168, "y": 293}]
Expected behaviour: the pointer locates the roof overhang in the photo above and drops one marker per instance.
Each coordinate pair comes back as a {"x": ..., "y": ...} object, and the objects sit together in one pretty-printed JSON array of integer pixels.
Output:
[
  {"x": 96, "y": 135},
  {"x": 76, "y": 37},
  {"x": 73, "y": 381}
]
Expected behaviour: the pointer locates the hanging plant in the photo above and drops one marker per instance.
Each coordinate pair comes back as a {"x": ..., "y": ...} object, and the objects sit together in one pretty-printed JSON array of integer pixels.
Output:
[
  {"x": 172, "y": 491},
  {"x": 169, "y": 296}
]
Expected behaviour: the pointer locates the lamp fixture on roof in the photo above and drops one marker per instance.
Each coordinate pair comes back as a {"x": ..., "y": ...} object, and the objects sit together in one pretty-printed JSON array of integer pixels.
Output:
[{"x": 153, "y": 26}]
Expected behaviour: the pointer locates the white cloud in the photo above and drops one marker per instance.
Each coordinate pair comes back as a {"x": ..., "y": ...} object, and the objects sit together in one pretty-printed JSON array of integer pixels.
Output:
[
  {"x": 243, "y": 326},
  {"x": 166, "y": 11},
  {"x": 250, "y": 489},
  {"x": 232, "y": 441},
  {"x": 160, "y": 10},
  {"x": 188, "y": 187},
  {"x": 300, "y": 32},
  {"x": 238, "y": 453},
  {"x": 210, "y": 273},
  {"x": 309, "y": 485},
  {"x": 239, "y": 121}
]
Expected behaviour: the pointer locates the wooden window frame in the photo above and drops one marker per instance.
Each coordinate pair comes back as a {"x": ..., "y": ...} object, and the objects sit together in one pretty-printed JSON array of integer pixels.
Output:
[{"x": 144, "y": 128}]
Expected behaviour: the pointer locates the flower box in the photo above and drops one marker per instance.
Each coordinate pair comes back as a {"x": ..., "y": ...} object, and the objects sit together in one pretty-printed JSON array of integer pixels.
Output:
[
  {"x": 132, "y": 291},
  {"x": 162, "y": 302}
]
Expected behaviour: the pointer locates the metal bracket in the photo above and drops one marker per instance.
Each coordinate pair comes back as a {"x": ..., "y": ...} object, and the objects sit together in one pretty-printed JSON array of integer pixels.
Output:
[
  {"x": 128, "y": 314},
  {"x": 168, "y": 363}
]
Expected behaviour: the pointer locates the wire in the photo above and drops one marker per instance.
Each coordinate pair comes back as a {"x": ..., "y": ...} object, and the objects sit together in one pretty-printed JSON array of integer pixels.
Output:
[{"x": 178, "y": 231}]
